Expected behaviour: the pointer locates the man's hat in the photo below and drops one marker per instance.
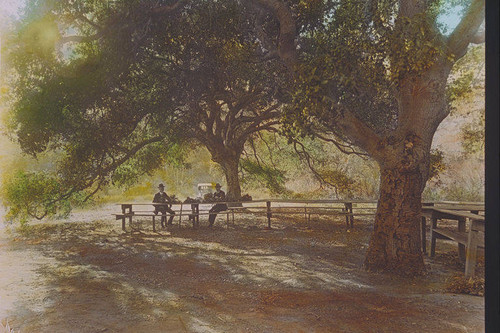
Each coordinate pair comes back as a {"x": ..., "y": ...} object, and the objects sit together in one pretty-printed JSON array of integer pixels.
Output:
[
  {"x": 161, "y": 186},
  {"x": 217, "y": 185}
]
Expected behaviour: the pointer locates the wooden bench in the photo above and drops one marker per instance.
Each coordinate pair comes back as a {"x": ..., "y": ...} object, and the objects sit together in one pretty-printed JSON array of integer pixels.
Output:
[{"x": 468, "y": 241}]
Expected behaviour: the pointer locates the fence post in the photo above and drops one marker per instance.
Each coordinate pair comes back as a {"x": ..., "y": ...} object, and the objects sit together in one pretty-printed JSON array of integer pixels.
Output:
[
  {"x": 423, "y": 231},
  {"x": 123, "y": 217},
  {"x": 180, "y": 216},
  {"x": 269, "y": 214}
]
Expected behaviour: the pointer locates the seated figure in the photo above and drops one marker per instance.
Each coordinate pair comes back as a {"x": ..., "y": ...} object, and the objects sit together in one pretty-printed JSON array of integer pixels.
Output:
[
  {"x": 162, "y": 198},
  {"x": 219, "y": 195}
]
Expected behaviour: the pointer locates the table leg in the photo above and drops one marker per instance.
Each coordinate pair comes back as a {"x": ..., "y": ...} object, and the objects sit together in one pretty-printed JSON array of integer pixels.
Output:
[
  {"x": 349, "y": 218},
  {"x": 423, "y": 226},
  {"x": 470, "y": 260},
  {"x": 433, "y": 236},
  {"x": 180, "y": 216},
  {"x": 124, "y": 210}
]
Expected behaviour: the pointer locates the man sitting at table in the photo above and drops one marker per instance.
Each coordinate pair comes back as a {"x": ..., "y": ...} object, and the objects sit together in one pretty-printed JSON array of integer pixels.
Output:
[
  {"x": 219, "y": 195},
  {"x": 163, "y": 198}
]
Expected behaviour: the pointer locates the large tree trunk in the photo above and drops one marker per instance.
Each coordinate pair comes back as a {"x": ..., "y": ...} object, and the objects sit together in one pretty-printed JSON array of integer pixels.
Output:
[
  {"x": 404, "y": 160},
  {"x": 229, "y": 159},
  {"x": 395, "y": 243},
  {"x": 230, "y": 167}
]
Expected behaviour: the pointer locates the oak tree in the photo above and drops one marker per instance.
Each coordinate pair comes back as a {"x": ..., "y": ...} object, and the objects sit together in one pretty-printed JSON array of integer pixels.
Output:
[{"x": 374, "y": 74}]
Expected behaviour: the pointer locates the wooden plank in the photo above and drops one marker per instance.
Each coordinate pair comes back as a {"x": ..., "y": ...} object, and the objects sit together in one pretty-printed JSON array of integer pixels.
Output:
[
  {"x": 460, "y": 237},
  {"x": 479, "y": 208},
  {"x": 460, "y": 214},
  {"x": 475, "y": 240}
]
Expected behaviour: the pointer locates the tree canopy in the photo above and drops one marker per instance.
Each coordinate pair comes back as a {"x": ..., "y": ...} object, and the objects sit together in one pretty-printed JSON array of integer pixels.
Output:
[{"x": 114, "y": 85}]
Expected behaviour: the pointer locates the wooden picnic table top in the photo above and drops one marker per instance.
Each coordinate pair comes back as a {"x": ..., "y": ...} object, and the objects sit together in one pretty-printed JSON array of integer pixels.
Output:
[
  {"x": 460, "y": 206},
  {"x": 468, "y": 207},
  {"x": 456, "y": 213}
]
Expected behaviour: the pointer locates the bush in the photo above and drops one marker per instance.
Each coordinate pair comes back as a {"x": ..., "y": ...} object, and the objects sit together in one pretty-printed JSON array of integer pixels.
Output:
[
  {"x": 461, "y": 285},
  {"x": 36, "y": 195}
]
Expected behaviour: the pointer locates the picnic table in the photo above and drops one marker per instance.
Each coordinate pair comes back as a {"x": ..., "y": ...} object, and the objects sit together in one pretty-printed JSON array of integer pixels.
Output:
[
  {"x": 128, "y": 212},
  {"x": 268, "y": 207},
  {"x": 468, "y": 241}
]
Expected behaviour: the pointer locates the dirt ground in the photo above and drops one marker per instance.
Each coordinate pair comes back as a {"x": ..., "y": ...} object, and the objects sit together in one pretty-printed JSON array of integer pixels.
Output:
[{"x": 86, "y": 275}]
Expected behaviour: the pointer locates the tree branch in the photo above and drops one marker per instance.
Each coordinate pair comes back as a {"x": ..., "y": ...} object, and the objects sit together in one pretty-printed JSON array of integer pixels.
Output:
[
  {"x": 346, "y": 149},
  {"x": 288, "y": 31},
  {"x": 467, "y": 29},
  {"x": 479, "y": 37},
  {"x": 79, "y": 39},
  {"x": 303, "y": 154},
  {"x": 358, "y": 133}
]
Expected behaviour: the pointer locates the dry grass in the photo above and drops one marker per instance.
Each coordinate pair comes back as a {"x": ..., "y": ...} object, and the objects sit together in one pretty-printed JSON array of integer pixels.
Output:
[{"x": 460, "y": 285}]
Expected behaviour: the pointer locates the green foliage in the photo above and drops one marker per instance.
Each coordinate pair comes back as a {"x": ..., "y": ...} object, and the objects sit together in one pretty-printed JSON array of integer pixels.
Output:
[
  {"x": 460, "y": 87},
  {"x": 473, "y": 136},
  {"x": 466, "y": 76},
  {"x": 350, "y": 62},
  {"x": 35, "y": 195},
  {"x": 414, "y": 46},
  {"x": 273, "y": 179},
  {"x": 147, "y": 160},
  {"x": 437, "y": 165}
]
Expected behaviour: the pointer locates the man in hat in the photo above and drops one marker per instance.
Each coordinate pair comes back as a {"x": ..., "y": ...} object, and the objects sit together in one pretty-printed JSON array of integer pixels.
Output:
[
  {"x": 219, "y": 195},
  {"x": 163, "y": 198}
]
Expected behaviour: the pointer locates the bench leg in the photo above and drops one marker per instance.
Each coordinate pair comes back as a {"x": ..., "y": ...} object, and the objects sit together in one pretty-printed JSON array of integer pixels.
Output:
[
  {"x": 461, "y": 247},
  {"x": 423, "y": 234},
  {"x": 433, "y": 236},
  {"x": 154, "y": 224},
  {"x": 123, "y": 224}
]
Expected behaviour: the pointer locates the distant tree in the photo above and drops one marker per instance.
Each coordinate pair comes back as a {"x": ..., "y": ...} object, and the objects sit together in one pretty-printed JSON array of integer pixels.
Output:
[{"x": 374, "y": 74}]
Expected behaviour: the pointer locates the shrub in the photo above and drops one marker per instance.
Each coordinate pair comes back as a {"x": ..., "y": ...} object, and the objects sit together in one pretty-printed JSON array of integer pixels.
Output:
[
  {"x": 36, "y": 195},
  {"x": 461, "y": 285}
]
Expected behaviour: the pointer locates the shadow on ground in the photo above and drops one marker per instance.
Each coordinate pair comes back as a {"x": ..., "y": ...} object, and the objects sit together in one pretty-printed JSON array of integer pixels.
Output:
[{"x": 92, "y": 277}]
